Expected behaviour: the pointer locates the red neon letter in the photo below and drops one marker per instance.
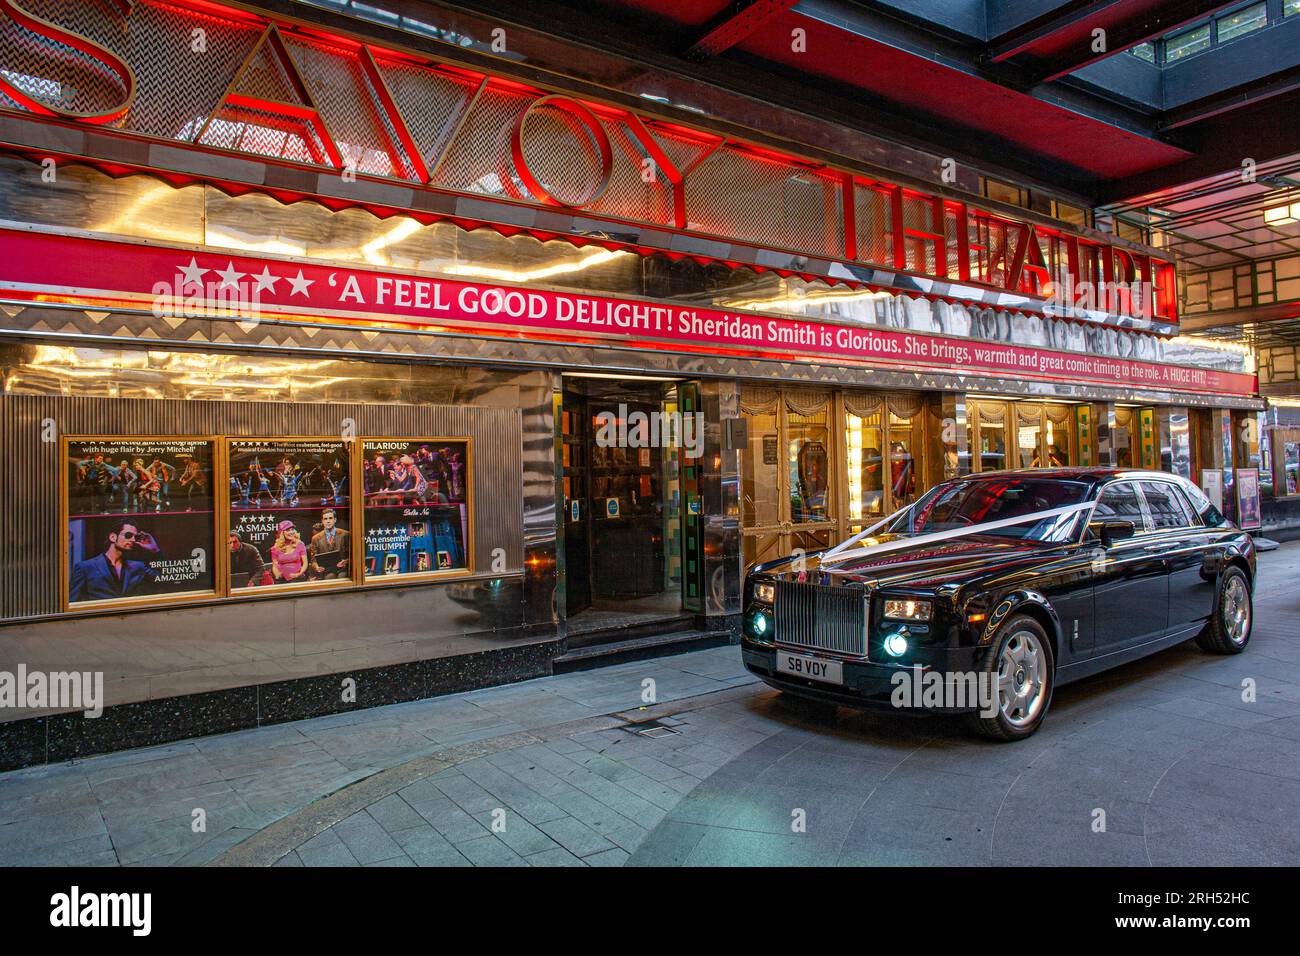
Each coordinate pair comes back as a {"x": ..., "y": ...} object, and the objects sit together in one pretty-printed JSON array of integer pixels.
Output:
[{"x": 57, "y": 34}]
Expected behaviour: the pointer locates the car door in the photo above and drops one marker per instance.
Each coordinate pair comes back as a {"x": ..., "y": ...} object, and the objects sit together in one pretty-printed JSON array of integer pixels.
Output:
[
  {"x": 1177, "y": 529},
  {"x": 1131, "y": 593}
]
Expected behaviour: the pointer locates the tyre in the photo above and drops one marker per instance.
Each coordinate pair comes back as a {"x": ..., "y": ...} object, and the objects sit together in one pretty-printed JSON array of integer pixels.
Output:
[
  {"x": 1228, "y": 630},
  {"x": 1023, "y": 670}
]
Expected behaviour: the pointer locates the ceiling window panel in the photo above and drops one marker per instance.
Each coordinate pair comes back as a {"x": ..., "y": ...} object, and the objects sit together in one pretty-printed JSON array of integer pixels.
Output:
[
  {"x": 1185, "y": 44},
  {"x": 1147, "y": 51},
  {"x": 1243, "y": 21}
]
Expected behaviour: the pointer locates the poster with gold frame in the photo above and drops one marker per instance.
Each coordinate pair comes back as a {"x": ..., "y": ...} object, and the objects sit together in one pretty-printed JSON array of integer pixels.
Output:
[
  {"x": 289, "y": 508},
  {"x": 417, "y": 507},
  {"x": 139, "y": 520}
]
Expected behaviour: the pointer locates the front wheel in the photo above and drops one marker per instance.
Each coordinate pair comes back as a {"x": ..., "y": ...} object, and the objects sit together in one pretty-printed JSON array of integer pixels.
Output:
[
  {"x": 1022, "y": 673},
  {"x": 1228, "y": 631}
]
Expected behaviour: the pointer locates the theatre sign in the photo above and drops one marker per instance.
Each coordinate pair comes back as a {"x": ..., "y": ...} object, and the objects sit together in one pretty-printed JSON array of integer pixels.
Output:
[
  {"x": 223, "y": 81},
  {"x": 186, "y": 282}
]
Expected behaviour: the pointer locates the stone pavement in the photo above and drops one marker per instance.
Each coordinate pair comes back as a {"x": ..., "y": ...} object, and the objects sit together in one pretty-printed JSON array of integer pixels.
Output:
[
  {"x": 137, "y": 806},
  {"x": 1164, "y": 752}
]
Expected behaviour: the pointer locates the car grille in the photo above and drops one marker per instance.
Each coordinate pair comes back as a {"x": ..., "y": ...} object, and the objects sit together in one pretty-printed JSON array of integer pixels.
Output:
[{"x": 820, "y": 616}]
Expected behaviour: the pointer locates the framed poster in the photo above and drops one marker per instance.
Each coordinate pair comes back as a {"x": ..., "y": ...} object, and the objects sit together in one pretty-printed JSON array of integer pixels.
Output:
[
  {"x": 290, "y": 512},
  {"x": 139, "y": 520},
  {"x": 1248, "y": 511},
  {"x": 417, "y": 497}
]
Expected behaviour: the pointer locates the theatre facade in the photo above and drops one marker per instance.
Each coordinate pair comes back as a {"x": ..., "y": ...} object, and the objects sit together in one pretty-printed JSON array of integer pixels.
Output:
[{"x": 335, "y": 360}]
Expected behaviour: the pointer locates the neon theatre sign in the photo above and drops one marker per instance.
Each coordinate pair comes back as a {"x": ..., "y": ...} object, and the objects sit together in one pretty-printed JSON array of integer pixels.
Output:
[{"x": 226, "y": 80}]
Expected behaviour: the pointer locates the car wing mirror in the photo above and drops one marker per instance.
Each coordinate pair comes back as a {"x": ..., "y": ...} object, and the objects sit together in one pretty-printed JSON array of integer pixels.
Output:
[{"x": 1112, "y": 530}]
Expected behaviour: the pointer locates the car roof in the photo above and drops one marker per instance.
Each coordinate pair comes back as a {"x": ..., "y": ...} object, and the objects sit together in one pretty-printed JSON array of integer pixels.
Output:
[{"x": 1094, "y": 474}]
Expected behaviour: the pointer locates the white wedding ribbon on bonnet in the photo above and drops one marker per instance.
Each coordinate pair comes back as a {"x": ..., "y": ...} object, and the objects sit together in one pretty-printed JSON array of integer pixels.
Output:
[{"x": 844, "y": 552}]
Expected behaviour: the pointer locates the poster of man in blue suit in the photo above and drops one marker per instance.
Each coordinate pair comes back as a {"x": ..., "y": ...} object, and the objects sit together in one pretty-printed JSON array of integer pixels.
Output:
[{"x": 115, "y": 573}]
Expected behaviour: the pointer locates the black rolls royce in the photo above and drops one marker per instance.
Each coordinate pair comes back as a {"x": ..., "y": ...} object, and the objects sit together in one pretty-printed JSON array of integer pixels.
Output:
[{"x": 956, "y": 606}]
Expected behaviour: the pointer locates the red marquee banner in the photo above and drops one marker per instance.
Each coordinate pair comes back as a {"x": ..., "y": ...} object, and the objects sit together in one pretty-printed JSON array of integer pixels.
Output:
[{"x": 100, "y": 272}]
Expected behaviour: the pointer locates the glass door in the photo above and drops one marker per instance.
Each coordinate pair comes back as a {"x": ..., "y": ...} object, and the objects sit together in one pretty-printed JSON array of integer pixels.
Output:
[
  {"x": 1059, "y": 435},
  {"x": 1038, "y": 435},
  {"x": 788, "y": 488},
  {"x": 864, "y": 449},
  {"x": 809, "y": 462},
  {"x": 884, "y": 449},
  {"x": 630, "y": 493},
  {"x": 987, "y": 436},
  {"x": 1029, "y": 436},
  {"x": 1126, "y": 440},
  {"x": 906, "y": 439},
  {"x": 761, "y": 483},
  {"x": 575, "y": 441}
]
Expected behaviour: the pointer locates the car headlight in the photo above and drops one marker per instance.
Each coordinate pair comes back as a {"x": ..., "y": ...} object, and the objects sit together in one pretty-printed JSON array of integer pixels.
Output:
[
  {"x": 906, "y": 609},
  {"x": 764, "y": 593}
]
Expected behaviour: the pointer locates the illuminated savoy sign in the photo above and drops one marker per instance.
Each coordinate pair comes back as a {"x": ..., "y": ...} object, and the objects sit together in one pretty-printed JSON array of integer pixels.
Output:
[{"x": 219, "y": 78}]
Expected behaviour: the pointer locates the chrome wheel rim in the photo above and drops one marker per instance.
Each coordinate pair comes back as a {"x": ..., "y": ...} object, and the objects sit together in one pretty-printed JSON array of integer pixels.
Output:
[
  {"x": 1235, "y": 612},
  {"x": 1022, "y": 678}
]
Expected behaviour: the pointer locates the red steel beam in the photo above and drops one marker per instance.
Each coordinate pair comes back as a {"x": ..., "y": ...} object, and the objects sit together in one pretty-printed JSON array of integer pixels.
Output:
[{"x": 735, "y": 23}]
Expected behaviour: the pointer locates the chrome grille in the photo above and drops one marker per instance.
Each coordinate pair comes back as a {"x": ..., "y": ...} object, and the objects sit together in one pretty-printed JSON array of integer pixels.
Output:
[{"x": 820, "y": 616}]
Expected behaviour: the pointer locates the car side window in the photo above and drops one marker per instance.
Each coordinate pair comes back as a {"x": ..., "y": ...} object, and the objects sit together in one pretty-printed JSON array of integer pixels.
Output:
[
  {"x": 1120, "y": 501},
  {"x": 1165, "y": 506},
  {"x": 1202, "y": 506},
  {"x": 1194, "y": 518}
]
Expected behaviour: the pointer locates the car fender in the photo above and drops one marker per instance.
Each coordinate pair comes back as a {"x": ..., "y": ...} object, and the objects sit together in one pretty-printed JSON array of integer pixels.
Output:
[
  {"x": 1225, "y": 555},
  {"x": 1040, "y": 608},
  {"x": 1234, "y": 552}
]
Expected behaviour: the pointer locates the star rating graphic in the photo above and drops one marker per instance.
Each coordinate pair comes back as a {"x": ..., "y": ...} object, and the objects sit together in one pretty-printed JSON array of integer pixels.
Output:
[
  {"x": 193, "y": 274},
  {"x": 299, "y": 284},
  {"x": 265, "y": 281},
  {"x": 230, "y": 277}
]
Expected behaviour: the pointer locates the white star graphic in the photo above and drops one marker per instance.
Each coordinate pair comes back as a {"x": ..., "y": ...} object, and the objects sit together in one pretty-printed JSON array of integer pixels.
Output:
[
  {"x": 229, "y": 276},
  {"x": 265, "y": 281},
  {"x": 300, "y": 284},
  {"x": 193, "y": 274}
]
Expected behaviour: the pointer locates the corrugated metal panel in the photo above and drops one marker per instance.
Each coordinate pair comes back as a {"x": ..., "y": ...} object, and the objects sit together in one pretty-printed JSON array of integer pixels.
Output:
[{"x": 30, "y": 427}]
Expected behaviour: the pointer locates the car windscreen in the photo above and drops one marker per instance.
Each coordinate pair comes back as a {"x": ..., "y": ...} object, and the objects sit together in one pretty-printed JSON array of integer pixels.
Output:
[{"x": 963, "y": 504}]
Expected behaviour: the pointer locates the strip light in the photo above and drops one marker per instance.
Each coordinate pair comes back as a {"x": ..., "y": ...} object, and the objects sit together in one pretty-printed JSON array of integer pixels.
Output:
[{"x": 1280, "y": 215}]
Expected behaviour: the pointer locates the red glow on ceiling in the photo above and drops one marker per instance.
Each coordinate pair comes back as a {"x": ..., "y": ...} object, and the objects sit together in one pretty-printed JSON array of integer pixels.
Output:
[{"x": 213, "y": 10}]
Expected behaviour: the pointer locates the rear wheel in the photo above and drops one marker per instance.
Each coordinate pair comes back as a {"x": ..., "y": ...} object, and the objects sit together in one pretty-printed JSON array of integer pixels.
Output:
[
  {"x": 1022, "y": 671},
  {"x": 1228, "y": 630}
]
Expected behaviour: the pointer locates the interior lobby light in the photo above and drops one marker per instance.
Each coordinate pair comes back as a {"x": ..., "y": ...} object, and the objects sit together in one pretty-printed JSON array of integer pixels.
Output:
[
  {"x": 587, "y": 260},
  {"x": 1280, "y": 215},
  {"x": 372, "y": 251}
]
